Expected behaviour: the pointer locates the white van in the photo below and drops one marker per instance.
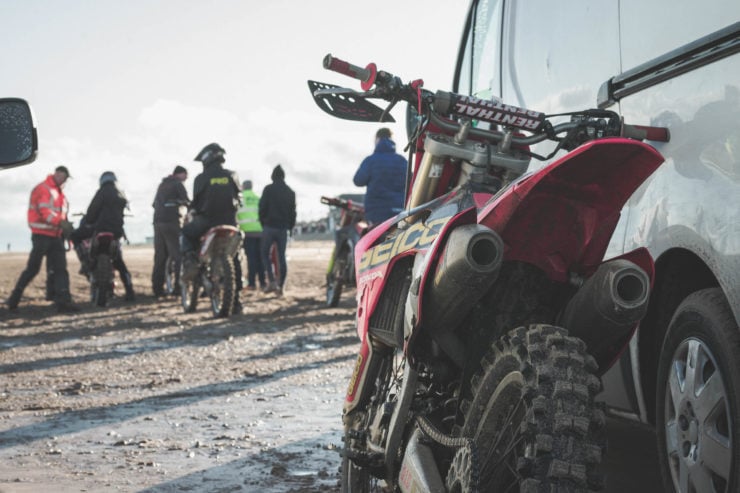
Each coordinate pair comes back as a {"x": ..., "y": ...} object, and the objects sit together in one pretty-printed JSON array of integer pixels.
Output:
[{"x": 673, "y": 63}]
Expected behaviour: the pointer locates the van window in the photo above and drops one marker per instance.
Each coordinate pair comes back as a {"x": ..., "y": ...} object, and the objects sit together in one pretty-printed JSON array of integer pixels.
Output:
[
  {"x": 557, "y": 54},
  {"x": 479, "y": 71}
]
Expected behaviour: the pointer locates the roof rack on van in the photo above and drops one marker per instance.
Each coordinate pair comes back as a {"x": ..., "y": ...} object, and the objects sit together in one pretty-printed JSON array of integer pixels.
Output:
[{"x": 715, "y": 46}]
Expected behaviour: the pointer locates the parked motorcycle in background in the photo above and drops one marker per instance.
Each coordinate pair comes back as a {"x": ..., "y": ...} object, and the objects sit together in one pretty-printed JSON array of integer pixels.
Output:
[
  {"x": 486, "y": 311},
  {"x": 98, "y": 255},
  {"x": 214, "y": 274},
  {"x": 348, "y": 231},
  {"x": 101, "y": 251}
]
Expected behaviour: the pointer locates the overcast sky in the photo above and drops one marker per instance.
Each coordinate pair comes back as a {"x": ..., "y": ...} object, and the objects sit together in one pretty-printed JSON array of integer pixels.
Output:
[{"x": 136, "y": 87}]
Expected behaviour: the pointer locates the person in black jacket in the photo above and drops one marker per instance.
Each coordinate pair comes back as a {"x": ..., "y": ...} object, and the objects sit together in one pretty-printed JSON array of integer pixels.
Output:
[
  {"x": 216, "y": 199},
  {"x": 105, "y": 215},
  {"x": 169, "y": 203},
  {"x": 277, "y": 211}
]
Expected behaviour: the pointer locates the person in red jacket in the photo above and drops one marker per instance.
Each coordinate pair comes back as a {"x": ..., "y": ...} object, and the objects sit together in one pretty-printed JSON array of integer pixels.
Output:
[{"x": 47, "y": 218}]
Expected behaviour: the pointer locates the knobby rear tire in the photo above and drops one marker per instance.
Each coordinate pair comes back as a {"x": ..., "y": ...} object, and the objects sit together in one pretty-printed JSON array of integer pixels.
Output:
[
  {"x": 222, "y": 292},
  {"x": 532, "y": 414},
  {"x": 189, "y": 292},
  {"x": 102, "y": 279}
]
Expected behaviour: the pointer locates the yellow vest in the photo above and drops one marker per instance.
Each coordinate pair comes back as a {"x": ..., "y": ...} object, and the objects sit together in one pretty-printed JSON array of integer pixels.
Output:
[{"x": 248, "y": 216}]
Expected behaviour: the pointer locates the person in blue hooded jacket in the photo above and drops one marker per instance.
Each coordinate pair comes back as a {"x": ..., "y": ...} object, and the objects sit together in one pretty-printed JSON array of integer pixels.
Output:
[{"x": 384, "y": 175}]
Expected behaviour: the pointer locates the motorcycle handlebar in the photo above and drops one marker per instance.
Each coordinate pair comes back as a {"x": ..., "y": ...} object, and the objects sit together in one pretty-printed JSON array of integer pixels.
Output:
[
  {"x": 342, "y": 203},
  {"x": 496, "y": 112},
  {"x": 641, "y": 132},
  {"x": 365, "y": 75}
]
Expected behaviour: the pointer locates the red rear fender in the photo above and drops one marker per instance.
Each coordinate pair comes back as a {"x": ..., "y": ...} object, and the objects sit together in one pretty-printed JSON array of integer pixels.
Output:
[{"x": 562, "y": 217}]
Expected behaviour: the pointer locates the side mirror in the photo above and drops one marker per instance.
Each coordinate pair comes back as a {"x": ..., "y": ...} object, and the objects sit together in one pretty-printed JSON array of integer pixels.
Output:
[{"x": 18, "y": 139}]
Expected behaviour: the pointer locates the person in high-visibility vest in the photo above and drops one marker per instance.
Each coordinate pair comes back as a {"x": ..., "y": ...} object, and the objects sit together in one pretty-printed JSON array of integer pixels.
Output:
[
  {"x": 249, "y": 223},
  {"x": 47, "y": 218}
]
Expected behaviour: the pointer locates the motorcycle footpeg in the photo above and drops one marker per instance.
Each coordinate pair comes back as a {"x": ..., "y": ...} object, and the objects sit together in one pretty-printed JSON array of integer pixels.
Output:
[{"x": 367, "y": 459}]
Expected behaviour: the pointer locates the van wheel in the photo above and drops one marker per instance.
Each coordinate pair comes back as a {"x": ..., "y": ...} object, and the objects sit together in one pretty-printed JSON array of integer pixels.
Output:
[{"x": 698, "y": 398}]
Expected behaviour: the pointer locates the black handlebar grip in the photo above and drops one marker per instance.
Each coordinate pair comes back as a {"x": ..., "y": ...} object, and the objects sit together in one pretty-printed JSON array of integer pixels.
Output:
[
  {"x": 641, "y": 132},
  {"x": 345, "y": 68}
]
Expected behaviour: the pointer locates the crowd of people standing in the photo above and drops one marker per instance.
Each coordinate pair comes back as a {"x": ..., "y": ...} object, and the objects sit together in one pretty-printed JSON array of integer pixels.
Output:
[{"x": 218, "y": 198}]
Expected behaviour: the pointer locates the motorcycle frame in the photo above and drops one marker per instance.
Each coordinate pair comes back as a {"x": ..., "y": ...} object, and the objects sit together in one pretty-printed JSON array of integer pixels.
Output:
[{"x": 586, "y": 188}]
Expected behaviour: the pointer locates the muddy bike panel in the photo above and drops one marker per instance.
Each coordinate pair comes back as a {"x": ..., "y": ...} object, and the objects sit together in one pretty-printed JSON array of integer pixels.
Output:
[
  {"x": 220, "y": 240},
  {"x": 562, "y": 217},
  {"x": 383, "y": 246},
  {"x": 104, "y": 242}
]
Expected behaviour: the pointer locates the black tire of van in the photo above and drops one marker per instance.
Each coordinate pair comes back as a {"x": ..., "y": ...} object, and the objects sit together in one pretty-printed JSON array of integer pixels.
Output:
[{"x": 698, "y": 396}]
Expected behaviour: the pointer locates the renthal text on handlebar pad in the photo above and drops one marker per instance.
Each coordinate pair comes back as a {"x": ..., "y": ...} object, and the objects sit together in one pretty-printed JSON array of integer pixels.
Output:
[{"x": 493, "y": 111}]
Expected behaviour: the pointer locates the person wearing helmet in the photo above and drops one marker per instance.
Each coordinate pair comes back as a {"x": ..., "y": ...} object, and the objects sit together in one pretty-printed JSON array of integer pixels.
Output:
[
  {"x": 216, "y": 198},
  {"x": 105, "y": 214}
]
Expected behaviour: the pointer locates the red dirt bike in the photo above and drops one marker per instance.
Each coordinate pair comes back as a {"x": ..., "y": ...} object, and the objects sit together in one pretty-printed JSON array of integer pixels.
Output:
[
  {"x": 349, "y": 230},
  {"x": 215, "y": 271},
  {"x": 486, "y": 311}
]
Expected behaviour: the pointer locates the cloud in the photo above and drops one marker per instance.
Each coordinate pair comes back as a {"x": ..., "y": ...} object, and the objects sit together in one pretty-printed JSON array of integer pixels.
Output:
[{"x": 320, "y": 155}]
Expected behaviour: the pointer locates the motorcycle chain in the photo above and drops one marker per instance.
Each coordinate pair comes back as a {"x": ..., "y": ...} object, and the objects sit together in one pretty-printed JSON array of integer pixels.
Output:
[{"x": 464, "y": 469}]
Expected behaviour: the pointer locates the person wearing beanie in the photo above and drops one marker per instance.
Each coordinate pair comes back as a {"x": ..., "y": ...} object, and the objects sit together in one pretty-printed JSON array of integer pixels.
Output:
[
  {"x": 277, "y": 214},
  {"x": 384, "y": 175},
  {"x": 170, "y": 204}
]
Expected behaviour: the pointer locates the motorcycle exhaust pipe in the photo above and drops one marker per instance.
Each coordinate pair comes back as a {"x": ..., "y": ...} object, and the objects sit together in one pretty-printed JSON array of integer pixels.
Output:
[
  {"x": 607, "y": 306},
  {"x": 468, "y": 266}
]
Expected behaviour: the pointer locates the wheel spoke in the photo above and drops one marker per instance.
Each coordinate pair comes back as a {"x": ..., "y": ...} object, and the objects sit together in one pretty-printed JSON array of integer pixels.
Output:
[
  {"x": 683, "y": 475},
  {"x": 710, "y": 396},
  {"x": 716, "y": 455},
  {"x": 507, "y": 424},
  {"x": 514, "y": 440},
  {"x": 700, "y": 478},
  {"x": 671, "y": 437},
  {"x": 676, "y": 384},
  {"x": 693, "y": 375}
]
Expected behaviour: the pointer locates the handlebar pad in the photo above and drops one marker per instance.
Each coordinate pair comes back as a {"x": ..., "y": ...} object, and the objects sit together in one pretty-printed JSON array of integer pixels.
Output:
[{"x": 641, "y": 132}]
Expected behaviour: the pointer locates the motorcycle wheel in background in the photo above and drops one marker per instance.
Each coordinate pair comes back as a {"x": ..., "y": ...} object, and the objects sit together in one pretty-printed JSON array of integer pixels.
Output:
[
  {"x": 532, "y": 415},
  {"x": 698, "y": 397},
  {"x": 337, "y": 276},
  {"x": 102, "y": 280},
  {"x": 189, "y": 292},
  {"x": 169, "y": 277},
  {"x": 224, "y": 286},
  {"x": 274, "y": 262}
]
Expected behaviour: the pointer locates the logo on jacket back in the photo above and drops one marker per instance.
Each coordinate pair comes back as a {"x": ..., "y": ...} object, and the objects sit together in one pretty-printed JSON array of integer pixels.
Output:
[{"x": 224, "y": 180}]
